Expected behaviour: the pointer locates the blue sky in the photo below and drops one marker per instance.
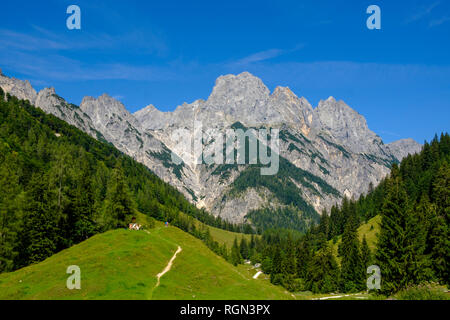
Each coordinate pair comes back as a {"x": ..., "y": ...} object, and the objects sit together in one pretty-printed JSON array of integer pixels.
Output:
[{"x": 168, "y": 52}]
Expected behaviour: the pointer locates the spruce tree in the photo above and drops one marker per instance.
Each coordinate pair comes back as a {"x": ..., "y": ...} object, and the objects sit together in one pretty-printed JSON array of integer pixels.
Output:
[
  {"x": 323, "y": 272},
  {"x": 401, "y": 243},
  {"x": 324, "y": 226},
  {"x": 289, "y": 259},
  {"x": 243, "y": 248},
  {"x": 39, "y": 236},
  {"x": 276, "y": 276},
  {"x": 119, "y": 207},
  {"x": 366, "y": 254},
  {"x": 304, "y": 257},
  {"x": 440, "y": 249},
  {"x": 352, "y": 269},
  {"x": 9, "y": 225},
  {"x": 439, "y": 241},
  {"x": 236, "y": 257}
]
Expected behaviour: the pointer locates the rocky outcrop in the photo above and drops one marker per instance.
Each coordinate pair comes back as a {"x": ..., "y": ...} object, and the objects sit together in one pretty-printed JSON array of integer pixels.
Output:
[
  {"x": 402, "y": 148},
  {"x": 20, "y": 89}
]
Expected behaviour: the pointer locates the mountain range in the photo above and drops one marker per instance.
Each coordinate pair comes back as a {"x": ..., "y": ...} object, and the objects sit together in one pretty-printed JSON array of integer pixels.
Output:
[{"x": 326, "y": 153}]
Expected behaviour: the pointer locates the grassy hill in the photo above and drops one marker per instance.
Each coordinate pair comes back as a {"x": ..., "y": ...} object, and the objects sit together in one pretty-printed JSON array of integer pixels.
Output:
[
  {"x": 227, "y": 237},
  {"x": 368, "y": 229},
  {"x": 123, "y": 264}
]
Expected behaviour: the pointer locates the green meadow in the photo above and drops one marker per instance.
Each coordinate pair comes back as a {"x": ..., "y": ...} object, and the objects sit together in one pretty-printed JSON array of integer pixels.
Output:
[{"x": 123, "y": 264}]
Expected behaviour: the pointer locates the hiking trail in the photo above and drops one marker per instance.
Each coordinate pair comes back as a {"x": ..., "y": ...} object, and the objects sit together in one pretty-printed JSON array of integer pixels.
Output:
[{"x": 168, "y": 267}]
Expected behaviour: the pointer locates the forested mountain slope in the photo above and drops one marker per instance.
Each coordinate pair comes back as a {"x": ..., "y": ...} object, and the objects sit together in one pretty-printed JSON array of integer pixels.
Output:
[
  {"x": 59, "y": 186},
  {"x": 402, "y": 226}
]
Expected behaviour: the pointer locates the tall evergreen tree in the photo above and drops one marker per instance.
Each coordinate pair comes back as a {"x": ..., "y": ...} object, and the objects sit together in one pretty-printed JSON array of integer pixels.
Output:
[
  {"x": 366, "y": 254},
  {"x": 401, "y": 242},
  {"x": 324, "y": 225},
  {"x": 235, "y": 256},
  {"x": 440, "y": 224},
  {"x": 244, "y": 249},
  {"x": 323, "y": 272},
  {"x": 9, "y": 224},
  {"x": 352, "y": 269},
  {"x": 304, "y": 257},
  {"x": 289, "y": 259},
  {"x": 120, "y": 207},
  {"x": 84, "y": 225},
  {"x": 39, "y": 236}
]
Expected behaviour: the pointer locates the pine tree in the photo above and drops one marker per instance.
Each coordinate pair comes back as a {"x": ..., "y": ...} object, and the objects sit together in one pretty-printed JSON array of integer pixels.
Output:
[
  {"x": 119, "y": 207},
  {"x": 236, "y": 257},
  {"x": 289, "y": 259},
  {"x": 401, "y": 243},
  {"x": 224, "y": 251},
  {"x": 243, "y": 248},
  {"x": 39, "y": 236},
  {"x": 277, "y": 261},
  {"x": 324, "y": 226},
  {"x": 9, "y": 226},
  {"x": 366, "y": 254},
  {"x": 276, "y": 276},
  {"x": 439, "y": 230},
  {"x": 304, "y": 257},
  {"x": 352, "y": 269},
  {"x": 323, "y": 272},
  {"x": 441, "y": 191}
]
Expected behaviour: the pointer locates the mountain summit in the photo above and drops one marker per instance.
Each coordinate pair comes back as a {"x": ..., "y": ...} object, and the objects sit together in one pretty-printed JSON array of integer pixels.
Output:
[{"x": 327, "y": 152}]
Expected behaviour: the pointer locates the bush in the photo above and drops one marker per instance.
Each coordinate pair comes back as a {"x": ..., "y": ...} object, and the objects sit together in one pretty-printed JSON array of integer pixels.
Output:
[
  {"x": 266, "y": 265},
  {"x": 276, "y": 279},
  {"x": 423, "y": 292},
  {"x": 295, "y": 285}
]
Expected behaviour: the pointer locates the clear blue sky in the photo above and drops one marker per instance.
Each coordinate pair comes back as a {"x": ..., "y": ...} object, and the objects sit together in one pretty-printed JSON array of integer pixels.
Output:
[{"x": 168, "y": 52}]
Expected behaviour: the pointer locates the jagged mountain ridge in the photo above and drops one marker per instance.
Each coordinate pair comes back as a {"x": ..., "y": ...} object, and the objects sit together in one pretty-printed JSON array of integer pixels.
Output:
[{"x": 329, "y": 151}]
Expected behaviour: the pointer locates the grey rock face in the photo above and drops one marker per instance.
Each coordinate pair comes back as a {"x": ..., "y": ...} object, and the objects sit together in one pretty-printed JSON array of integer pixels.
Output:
[
  {"x": 332, "y": 141},
  {"x": 331, "y": 144},
  {"x": 402, "y": 148},
  {"x": 50, "y": 102},
  {"x": 20, "y": 89},
  {"x": 346, "y": 125}
]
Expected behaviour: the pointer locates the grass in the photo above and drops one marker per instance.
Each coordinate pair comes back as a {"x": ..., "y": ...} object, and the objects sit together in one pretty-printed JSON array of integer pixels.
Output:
[
  {"x": 308, "y": 295},
  {"x": 370, "y": 229},
  {"x": 424, "y": 292},
  {"x": 123, "y": 264},
  {"x": 222, "y": 236},
  {"x": 227, "y": 237}
]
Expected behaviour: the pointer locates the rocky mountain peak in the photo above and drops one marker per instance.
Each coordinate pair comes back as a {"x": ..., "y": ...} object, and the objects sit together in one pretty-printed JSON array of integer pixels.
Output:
[
  {"x": 284, "y": 91},
  {"x": 233, "y": 92},
  {"x": 105, "y": 103},
  {"x": 401, "y": 148},
  {"x": 47, "y": 91},
  {"x": 346, "y": 125},
  {"x": 47, "y": 100},
  {"x": 331, "y": 142},
  {"x": 20, "y": 89},
  {"x": 105, "y": 110},
  {"x": 333, "y": 114},
  {"x": 285, "y": 107},
  {"x": 145, "y": 111}
]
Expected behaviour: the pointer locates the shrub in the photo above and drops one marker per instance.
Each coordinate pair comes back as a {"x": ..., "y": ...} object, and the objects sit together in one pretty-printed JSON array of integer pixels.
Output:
[{"x": 423, "y": 292}]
